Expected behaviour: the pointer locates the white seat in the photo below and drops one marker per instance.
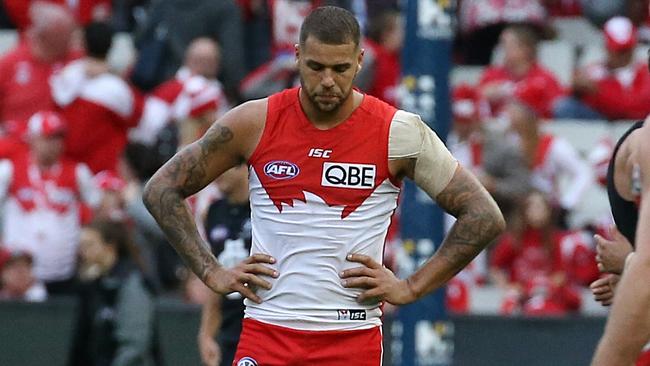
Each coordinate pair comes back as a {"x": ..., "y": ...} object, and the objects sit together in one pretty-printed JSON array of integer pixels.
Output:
[
  {"x": 578, "y": 31},
  {"x": 559, "y": 57}
]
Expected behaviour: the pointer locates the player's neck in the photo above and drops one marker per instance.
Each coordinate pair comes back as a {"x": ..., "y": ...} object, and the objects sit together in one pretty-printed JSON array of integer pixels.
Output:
[{"x": 326, "y": 120}]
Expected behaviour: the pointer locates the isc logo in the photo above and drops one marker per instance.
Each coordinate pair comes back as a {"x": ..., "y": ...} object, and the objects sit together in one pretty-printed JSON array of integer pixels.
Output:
[
  {"x": 357, "y": 176},
  {"x": 280, "y": 169},
  {"x": 352, "y": 314},
  {"x": 319, "y": 153}
]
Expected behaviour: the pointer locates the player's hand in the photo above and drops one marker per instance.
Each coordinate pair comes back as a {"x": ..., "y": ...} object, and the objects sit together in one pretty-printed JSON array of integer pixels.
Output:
[
  {"x": 244, "y": 277},
  {"x": 604, "y": 289},
  {"x": 209, "y": 350},
  {"x": 611, "y": 254},
  {"x": 380, "y": 283}
]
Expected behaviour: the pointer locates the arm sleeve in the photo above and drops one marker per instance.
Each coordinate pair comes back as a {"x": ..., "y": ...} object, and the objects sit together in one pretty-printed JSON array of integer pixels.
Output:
[
  {"x": 90, "y": 193},
  {"x": 411, "y": 138},
  {"x": 570, "y": 163},
  {"x": 134, "y": 325},
  {"x": 6, "y": 175}
]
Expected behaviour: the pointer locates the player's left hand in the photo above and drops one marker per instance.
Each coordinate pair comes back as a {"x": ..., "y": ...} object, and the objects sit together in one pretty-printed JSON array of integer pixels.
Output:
[{"x": 380, "y": 283}]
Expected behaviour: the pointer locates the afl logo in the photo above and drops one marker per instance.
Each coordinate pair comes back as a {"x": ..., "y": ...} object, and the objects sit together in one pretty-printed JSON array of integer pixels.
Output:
[
  {"x": 280, "y": 169},
  {"x": 247, "y": 361}
]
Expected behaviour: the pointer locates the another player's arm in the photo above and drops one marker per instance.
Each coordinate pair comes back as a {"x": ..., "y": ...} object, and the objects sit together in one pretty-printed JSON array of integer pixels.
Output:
[
  {"x": 620, "y": 345},
  {"x": 226, "y": 143},
  {"x": 211, "y": 320}
]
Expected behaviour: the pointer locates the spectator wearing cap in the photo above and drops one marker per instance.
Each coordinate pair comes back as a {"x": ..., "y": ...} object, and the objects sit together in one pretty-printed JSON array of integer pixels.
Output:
[
  {"x": 550, "y": 158},
  {"x": 192, "y": 100},
  {"x": 24, "y": 71},
  {"x": 615, "y": 88},
  {"x": 99, "y": 106},
  {"x": 43, "y": 194},
  {"x": 17, "y": 282},
  {"x": 519, "y": 72},
  {"x": 112, "y": 206}
]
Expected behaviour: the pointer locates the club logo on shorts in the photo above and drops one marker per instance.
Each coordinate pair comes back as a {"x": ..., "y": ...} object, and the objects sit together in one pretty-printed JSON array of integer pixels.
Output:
[
  {"x": 281, "y": 169},
  {"x": 247, "y": 361},
  {"x": 346, "y": 175}
]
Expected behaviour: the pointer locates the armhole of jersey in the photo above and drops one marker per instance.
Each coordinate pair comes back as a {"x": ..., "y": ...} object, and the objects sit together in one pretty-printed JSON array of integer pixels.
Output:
[
  {"x": 265, "y": 130},
  {"x": 393, "y": 179}
]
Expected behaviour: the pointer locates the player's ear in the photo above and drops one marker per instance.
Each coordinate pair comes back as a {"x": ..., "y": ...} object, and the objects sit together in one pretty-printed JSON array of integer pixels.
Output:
[
  {"x": 296, "y": 47},
  {"x": 360, "y": 60}
]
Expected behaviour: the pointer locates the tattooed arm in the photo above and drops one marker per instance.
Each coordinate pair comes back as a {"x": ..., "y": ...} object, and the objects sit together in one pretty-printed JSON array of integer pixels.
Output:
[
  {"x": 228, "y": 142},
  {"x": 420, "y": 155},
  {"x": 478, "y": 222}
]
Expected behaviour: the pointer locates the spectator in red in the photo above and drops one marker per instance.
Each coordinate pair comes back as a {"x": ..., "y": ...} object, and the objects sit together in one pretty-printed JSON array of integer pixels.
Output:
[
  {"x": 194, "y": 93},
  {"x": 84, "y": 11},
  {"x": 385, "y": 37},
  {"x": 527, "y": 262},
  {"x": 520, "y": 71},
  {"x": 17, "y": 282},
  {"x": 24, "y": 72},
  {"x": 615, "y": 88},
  {"x": 550, "y": 158},
  {"x": 43, "y": 193},
  {"x": 99, "y": 106}
]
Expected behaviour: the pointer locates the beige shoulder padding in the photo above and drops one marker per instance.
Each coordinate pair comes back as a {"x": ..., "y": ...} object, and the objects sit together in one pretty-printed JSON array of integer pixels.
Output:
[{"x": 410, "y": 138}]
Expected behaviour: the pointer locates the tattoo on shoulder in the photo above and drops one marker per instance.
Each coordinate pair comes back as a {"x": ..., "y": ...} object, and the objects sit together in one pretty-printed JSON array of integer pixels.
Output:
[
  {"x": 194, "y": 165},
  {"x": 216, "y": 135}
]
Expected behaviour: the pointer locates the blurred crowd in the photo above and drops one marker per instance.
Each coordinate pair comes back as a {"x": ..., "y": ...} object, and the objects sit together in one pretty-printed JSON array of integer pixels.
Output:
[{"x": 78, "y": 140}]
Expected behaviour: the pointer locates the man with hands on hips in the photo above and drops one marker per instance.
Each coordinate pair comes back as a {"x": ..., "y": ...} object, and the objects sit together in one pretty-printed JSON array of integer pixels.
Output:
[{"x": 325, "y": 167}]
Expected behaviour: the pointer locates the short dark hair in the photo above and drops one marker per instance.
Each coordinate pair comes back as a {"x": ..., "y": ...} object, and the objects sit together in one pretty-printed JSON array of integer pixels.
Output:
[
  {"x": 99, "y": 38},
  {"x": 331, "y": 25}
]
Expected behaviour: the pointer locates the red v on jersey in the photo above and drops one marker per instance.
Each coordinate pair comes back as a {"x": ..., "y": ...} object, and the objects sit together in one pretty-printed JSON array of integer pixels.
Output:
[{"x": 343, "y": 165}]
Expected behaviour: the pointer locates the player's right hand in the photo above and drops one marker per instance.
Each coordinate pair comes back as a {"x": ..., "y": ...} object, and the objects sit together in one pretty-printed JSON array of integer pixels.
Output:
[
  {"x": 244, "y": 277},
  {"x": 604, "y": 289},
  {"x": 209, "y": 350}
]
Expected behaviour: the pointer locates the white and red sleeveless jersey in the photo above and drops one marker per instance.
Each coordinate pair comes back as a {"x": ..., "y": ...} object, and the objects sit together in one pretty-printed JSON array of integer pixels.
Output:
[
  {"x": 41, "y": 212},
  {"x": 555, "y": 159},
  {"x": 99, "y": 111},
  {"x": 317, "y": 195}
]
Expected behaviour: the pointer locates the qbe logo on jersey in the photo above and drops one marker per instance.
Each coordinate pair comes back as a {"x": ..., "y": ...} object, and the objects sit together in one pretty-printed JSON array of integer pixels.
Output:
[{"x": 345, "y": 175}]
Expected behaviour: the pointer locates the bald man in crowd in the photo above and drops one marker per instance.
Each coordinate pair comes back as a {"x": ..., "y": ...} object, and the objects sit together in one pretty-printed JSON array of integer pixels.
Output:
[{"x": 24, "y": 71}]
